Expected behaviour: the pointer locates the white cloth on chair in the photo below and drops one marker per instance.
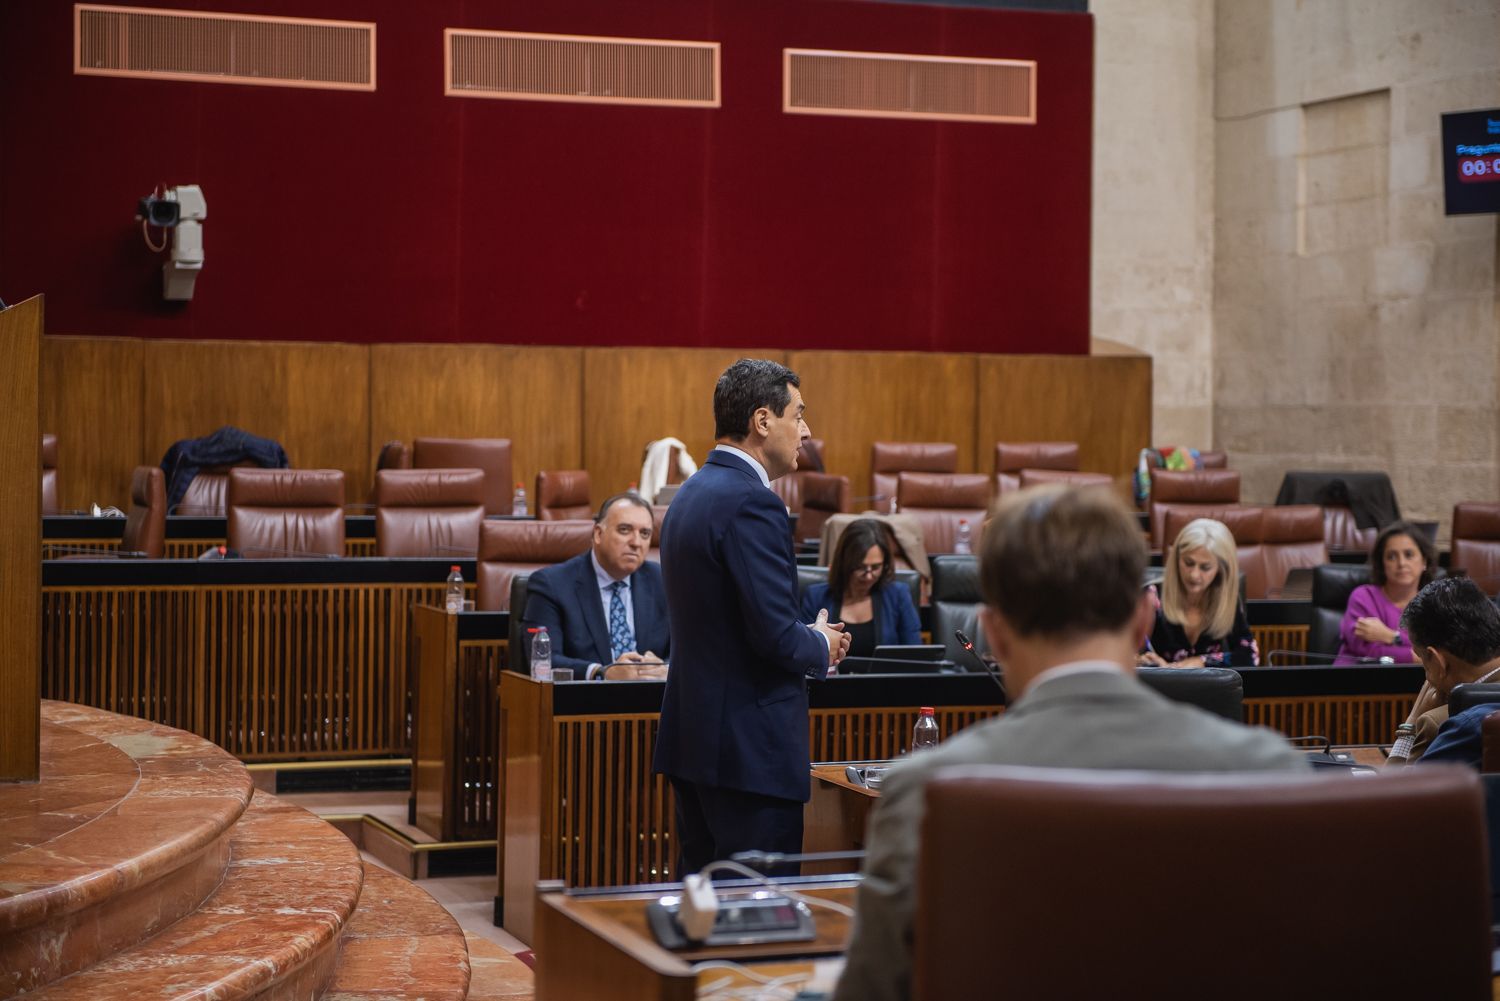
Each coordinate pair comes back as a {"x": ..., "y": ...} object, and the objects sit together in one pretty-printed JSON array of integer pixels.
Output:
[{"x": 656, "y": 466}]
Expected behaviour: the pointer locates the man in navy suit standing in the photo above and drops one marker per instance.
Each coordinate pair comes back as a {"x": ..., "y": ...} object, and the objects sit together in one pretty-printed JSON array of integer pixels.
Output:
[
  {"x": 605, "y": 610},
  {"x": 733, "y": 737}
]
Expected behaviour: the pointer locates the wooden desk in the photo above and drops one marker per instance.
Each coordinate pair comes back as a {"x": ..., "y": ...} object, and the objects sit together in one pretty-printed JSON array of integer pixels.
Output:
[
  {"x": 596, "y": 944},
  {"x": 836, "y": 817}
]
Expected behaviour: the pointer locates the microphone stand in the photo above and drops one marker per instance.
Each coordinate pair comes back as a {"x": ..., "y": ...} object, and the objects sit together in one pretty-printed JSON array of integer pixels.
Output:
[{"x": 994, "y": 674}]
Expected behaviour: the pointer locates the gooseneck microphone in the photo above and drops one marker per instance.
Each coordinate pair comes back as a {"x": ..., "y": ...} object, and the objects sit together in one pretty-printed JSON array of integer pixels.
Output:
[{"x": 989, "y": 669}]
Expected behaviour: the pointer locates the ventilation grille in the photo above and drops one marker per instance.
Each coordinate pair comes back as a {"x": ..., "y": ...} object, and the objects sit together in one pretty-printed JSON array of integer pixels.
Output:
[
  {"x": 891, "y": 85},
  {"x": 581, "y": 68},
  {"x": 223, "y": 48}
]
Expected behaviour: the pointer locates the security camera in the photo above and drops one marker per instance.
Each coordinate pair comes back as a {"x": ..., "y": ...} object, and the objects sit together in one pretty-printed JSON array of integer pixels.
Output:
[{"x": 182, "y": 210}]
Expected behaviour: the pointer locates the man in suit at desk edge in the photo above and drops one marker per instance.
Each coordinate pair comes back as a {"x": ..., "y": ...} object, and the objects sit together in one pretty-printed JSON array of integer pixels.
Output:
[
  {"x": 1060, "y": 572},
  {"x": 605, "y": 609},
  {"x": 733, "y": 738}
]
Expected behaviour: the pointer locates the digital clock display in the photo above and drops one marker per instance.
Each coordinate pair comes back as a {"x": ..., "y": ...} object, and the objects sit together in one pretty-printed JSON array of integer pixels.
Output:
[
  {"x": 1476, "y": 169},
  {"x": 1471, "y": 162}
]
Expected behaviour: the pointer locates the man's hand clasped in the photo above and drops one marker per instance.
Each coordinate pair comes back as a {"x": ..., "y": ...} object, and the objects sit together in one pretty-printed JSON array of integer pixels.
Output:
[
  {"x": 636, "y": 667},
  {"x": 838, "y": 640}
]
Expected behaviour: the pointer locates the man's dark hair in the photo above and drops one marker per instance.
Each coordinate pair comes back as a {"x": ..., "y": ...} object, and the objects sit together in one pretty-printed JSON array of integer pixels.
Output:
[
  {"x": 629, "y": 497},
  {"x": 1062, "y": 562},
  {"x": 1424, "y": 546},
  {"x": 1455, "y": 615},
  {"x": 744, "y": 388}
]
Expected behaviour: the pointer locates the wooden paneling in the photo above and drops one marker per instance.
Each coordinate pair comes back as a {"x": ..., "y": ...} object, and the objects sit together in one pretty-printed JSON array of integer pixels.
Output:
[
  {"x": 854, "y": 400},
  {"x": 633, "y": 396},
  {"x": 91, "y": 399},
  {"x": 1103, "y": 402},
  {"x": 531, "y": 395},
  {"x": 20, "y": 542},
  {"x": 312, "y": 398}
]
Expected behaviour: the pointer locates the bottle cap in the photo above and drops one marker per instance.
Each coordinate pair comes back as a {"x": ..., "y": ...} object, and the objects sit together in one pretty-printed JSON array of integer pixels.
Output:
[
  {"x": 453, "y": 568},
  {"x": 963, "y": 521},
  {"x": 927, "y": 710},
  {"x": 520, "y": 487},
  {"x": 532, "y": 629}
]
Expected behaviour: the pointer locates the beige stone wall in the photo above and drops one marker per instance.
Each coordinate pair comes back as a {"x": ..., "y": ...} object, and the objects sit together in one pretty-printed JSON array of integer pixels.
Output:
[
  {"x": 1153, "y": 199},
  {"x": 1354, "y": 325}
]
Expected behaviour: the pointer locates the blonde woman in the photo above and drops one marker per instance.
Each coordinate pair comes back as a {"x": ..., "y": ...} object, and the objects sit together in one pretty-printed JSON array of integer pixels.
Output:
[{"x": 1199, "y": 620}]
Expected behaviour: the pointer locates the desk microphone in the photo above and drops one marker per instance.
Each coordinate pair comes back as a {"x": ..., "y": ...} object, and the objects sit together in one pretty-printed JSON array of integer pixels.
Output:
[
  {"x": 1324, "y": 658},
  {"x": 968, "y": 645}
]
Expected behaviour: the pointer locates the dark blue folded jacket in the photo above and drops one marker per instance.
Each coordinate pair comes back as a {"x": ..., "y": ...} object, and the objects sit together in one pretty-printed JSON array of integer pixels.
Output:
[{"x": 224, "y": 447}]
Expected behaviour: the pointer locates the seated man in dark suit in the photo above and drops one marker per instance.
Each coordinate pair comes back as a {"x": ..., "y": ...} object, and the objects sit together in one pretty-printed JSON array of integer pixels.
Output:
[
  {"x": 1455, "y": 634},
  {"x": 1060, "y": 572},
  {"x": 606, "y": 610}
]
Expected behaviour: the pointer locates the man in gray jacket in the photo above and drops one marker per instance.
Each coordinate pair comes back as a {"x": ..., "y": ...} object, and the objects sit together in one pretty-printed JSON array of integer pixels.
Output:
[{"x": 1064, "y": 612}]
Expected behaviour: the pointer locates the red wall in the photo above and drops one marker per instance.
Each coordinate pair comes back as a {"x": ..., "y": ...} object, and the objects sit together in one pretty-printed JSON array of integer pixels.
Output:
[{"x": 402, "y": 215}]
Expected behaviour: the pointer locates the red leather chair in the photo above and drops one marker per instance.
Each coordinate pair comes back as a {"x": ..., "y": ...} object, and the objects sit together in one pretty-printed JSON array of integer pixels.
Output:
[
  {"x": 1205, "y": 489},
  {"x": 507, "y": 548},
  {"x": 1476, "y": 543},
  {"x": 146, "y": 521},
  {"x": 1244, "y": 523},
  {"x": 1340, "y": 532},
  {"x": 563, "y": 495},
  {"x": 888, "y": 459},
  {"x": 285, "y": 512},
  {"x": 490, "y": 455},
  {"x": 1035, "y": 477},
  {"x": 1013, "y": 456},
  {"x": 206, "y": 495},
  {"x": 939, "y": 501},
  {"x": 1213, "y": 460},
  {"x": 1216, "y": 859},
  {"x": 1291, "y": 537},
  {"x": 49, "y": 474},
  {"x": 812, "y": 495},
  {"x": 428, "y": 512}
]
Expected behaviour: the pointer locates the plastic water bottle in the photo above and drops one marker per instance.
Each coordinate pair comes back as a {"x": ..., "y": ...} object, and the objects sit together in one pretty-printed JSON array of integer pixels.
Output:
[
  {"x": 961, "y": 544},
  {"x": 453, "y": 598},
  {"x": 541, "y": 654},
  {"x": 518, "y": 502},
  {"x": 925, "y": 733}
]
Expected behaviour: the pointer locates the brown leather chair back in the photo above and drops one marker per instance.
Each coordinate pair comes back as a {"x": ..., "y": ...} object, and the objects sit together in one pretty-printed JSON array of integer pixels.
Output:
[
  {"x": 507, "y": 548},
  {"x": 206, "y": 494},
  {"x": 146, "y": 522},
  {"x": 490, "y": 455},
  {"x": 49, "y": 474},
  {"x": 393, "y": 455},
  {"x": 1476, "y": 543},
  {"x": 1341, "y": 533},
  {"x": 1215, "y": 858},
  {"x": 1013, "y": 456},
  {"x": 285, "y": 512},
  {"x": 428, "y": 512},
  {"x": 1035, "y": 477},
  {"x": 939, "y": 501},
  {"x": 789, "y": 487},
  {"x": 1206, "y": 488},
  {"x": 823, "y": 496},
  {"x": 563, "y": 495},
  {"x": 889, "y": 458},
  {"x": 1213, "y": 460},
  {"x": 1291, "y": 537}
]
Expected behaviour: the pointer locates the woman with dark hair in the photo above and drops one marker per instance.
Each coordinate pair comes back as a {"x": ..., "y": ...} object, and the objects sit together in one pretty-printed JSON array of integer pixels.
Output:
[
  {"x": 862, "y": 593},
  {"x": 1402, "y": 562}
]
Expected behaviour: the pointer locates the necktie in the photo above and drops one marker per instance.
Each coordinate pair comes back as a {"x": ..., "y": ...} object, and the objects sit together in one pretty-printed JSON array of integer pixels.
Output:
[{"x": 621, "y": 641}]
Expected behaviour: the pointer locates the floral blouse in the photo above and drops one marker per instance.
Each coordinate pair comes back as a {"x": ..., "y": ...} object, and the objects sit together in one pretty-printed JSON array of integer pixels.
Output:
[{"x": 1238, "y": 649}]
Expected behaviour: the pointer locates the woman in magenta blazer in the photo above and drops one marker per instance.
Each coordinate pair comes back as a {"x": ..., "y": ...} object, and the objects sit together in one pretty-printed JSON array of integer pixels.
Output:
[{"x": 1402, "y": 562}]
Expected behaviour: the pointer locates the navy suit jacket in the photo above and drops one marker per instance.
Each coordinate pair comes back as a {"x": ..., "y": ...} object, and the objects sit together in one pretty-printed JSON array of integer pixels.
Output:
[
  {"x": 895, "y": 616},
  {"x": 735, "y": 711},
  {"x": 565, "y": 598}
]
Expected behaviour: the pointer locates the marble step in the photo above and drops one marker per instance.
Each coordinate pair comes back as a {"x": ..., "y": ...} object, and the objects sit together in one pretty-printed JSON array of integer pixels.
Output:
[
  {"x": 269, "y": 931},
  {"x": 400, "y": 944},
  {"x": 127, "y": 832}
]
